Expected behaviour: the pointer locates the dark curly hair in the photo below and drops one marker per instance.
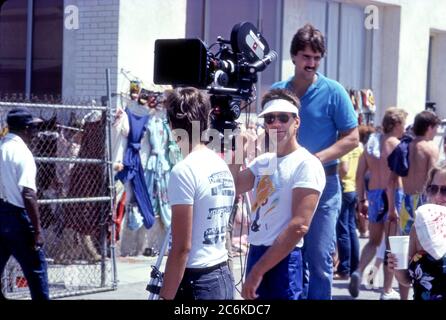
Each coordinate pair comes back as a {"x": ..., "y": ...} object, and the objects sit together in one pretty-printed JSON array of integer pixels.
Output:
[{"x": 309, "y": 36}]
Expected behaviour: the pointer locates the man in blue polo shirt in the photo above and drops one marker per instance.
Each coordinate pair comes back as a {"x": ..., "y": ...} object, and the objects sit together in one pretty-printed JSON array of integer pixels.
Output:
[
  {"x": 329, "y": 131},
  {"x": 20, "y": 230}
]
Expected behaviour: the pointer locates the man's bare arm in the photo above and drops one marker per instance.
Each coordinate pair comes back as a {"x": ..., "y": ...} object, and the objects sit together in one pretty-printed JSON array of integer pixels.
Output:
[
  {"x": 32, "y": 208},
  {"x": 347, "y": 141}
]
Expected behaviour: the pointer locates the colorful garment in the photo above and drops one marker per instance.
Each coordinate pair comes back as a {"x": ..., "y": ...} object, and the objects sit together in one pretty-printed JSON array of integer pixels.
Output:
[
  {"x": 428, "y": 277},
  {"x": 157, "y": 169},
  {"x": 133, "y": 171},
  {"x": 407, "y": 215}
]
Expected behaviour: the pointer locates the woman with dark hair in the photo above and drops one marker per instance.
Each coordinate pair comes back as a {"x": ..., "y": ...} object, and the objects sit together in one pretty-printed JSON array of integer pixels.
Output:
[{"x": 201, "y": 194}]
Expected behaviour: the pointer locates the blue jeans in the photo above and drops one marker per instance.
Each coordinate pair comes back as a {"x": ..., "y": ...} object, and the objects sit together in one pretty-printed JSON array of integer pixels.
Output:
[
  {"x": 217, "y": 284},
  {"x": 16, "y": 239},
  {"x": 284, "y": 281},
  {"x": 347, "y": 239},
  {"x": 319, "y": 243}
]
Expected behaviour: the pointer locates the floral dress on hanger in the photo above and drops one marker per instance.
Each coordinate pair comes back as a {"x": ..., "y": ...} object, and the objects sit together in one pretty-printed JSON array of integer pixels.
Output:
[{"x": 158, "y": 166}]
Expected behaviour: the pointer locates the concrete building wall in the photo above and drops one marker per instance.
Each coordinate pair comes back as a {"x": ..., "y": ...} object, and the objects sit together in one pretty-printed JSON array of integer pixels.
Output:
[
  {"x": 141, "y": 23},
  {"x": 385, "y": 61},
  {"x": 90, "y": 49},
  {"x": 438, "y": 73},
  {"x": 120, "y": 35},
  {"x": 400, "y": 51}
]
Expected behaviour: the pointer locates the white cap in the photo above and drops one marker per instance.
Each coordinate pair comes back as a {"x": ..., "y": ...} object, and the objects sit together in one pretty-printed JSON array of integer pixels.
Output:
[{"x": 279, "y": 105}]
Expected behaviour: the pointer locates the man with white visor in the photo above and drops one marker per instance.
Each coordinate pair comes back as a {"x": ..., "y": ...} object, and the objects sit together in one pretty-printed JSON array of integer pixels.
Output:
[{"x": 287, "y": 186}]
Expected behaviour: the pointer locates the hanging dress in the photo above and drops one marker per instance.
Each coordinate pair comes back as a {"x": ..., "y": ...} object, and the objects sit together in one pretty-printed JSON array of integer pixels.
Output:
[
  {"x": 133, "y": 171},
  {"x": 158, "y": 167}
]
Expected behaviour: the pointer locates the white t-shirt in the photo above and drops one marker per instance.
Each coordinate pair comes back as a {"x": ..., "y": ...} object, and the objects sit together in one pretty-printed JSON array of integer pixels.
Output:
[
  {"x": 203, "y": 180},
  {"x": 17, "y": 169},
  {"x": 275, "y": 179}
]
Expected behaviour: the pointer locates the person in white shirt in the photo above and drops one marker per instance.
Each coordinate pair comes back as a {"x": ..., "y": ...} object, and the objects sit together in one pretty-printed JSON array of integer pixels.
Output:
[
  {"x": 20, "y": 230},
  {"x": 201, "y": 193},
  {"x": 287, "y": 185}
]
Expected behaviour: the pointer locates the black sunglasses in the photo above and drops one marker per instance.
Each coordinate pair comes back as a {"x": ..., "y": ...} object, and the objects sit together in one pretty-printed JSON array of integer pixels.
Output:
[
  {"x": 282, "y": 117},
  {"x": 433, "y": 189}
]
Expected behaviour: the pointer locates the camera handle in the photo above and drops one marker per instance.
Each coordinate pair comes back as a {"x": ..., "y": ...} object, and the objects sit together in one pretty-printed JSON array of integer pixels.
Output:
[{"x": 156, "y": 276}]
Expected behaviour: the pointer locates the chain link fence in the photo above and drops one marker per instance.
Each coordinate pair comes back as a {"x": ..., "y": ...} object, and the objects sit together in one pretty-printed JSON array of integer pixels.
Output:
[{"x": 75, "y": 192}]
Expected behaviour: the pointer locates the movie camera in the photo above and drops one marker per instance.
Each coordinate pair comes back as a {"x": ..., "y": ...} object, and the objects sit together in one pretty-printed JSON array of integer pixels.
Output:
[{"x": 228, "y": 75}]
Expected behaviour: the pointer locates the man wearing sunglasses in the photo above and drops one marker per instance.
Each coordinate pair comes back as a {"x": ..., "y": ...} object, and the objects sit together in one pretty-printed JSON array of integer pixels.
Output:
[
  {"x": 287, "y": 186},
  {"x": 329, "y": 131}
]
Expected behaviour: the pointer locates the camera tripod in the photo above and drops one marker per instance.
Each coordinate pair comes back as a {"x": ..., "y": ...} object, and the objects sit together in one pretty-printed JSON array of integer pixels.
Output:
[{"x": 156, "y": 276}]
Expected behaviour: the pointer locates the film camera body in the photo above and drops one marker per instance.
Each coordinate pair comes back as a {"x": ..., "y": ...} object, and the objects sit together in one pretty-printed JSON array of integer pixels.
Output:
[{"x": 228, "y": 75}]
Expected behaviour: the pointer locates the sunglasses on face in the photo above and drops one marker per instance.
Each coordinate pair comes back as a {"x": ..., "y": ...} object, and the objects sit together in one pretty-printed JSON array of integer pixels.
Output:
[
  {"x": 432, "y": 190},
  {"x": 282, "y": 117}
]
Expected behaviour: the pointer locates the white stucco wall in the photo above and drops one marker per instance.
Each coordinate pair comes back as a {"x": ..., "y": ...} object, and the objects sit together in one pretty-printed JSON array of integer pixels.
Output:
[
  {"x": 385, "y": 60},
  {"x": 400, "y": 50},
  {"x": 438, "y": 73},
  {"x": 141, "y": 22}
]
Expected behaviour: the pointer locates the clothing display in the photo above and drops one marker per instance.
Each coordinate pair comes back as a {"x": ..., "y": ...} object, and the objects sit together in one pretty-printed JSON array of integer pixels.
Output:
[
  {"x": 363, "y": 101},
  {"x": 133, "y": 171},
  {"x": 159, "y": 164}
]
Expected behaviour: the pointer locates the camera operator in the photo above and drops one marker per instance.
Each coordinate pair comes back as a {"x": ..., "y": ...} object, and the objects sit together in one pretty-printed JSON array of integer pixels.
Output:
[
  {"x": 288, "y": 185},
  {"x": 329, "y": 131},
  {"x": 201, "y": 194}
]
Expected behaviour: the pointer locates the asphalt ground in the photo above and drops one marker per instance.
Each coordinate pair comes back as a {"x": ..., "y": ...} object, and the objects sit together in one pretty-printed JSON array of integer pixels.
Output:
[{"x": 134, "y": 275}]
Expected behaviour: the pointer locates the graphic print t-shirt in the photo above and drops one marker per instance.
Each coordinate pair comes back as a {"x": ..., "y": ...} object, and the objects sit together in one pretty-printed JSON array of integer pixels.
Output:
[
  {"x": 203, "y": 180},
  {"x": 275, "y": 179}
]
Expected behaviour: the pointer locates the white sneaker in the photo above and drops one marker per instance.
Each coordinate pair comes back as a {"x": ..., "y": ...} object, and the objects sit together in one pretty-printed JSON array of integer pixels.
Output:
[{"x": 392, "y": 295}]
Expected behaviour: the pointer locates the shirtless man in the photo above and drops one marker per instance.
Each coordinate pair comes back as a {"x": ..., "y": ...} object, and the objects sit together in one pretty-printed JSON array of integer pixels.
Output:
[
  {"x": 423, "y": 154},
  {"x": 374, "y": 160}
]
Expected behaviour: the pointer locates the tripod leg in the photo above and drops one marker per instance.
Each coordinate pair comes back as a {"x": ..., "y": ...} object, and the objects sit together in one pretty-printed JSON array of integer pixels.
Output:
[{"x": 156, "y": 277}]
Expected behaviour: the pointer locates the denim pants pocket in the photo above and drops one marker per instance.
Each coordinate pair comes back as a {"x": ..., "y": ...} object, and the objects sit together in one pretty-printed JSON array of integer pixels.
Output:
[{"x": 208, "y": 287}]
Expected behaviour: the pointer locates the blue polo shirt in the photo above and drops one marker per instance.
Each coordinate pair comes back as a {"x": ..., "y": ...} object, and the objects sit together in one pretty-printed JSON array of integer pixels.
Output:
[{"x": 326, "y": 110}]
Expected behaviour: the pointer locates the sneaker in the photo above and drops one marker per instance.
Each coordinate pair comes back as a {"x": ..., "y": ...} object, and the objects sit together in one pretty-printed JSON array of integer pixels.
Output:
[
  {"x": 392, "y": 295},
  {"x": 353, "y": 286},
  {"x": 370, "y": 281},
  {"x": 340, "y": 276}
]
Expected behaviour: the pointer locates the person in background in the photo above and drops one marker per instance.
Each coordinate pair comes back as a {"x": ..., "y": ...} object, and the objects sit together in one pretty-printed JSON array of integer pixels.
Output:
[
  {"x": 443, "y": 162},
  {"x": 425, "y": 272},
  {"x": 423, "y": 155},
  {"x": 362, "y": 221},
  {"x": 329, "y": 131},
  {"x": 20, "y": 229},
  {"x": 347, "y": 239},
  {"x": 374, "y": 200}
]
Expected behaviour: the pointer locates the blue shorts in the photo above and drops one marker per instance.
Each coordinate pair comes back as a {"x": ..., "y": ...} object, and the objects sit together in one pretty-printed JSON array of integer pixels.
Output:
[
  {"x": 284, "y": 281},
  {"x": 379, "y": 206}
]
